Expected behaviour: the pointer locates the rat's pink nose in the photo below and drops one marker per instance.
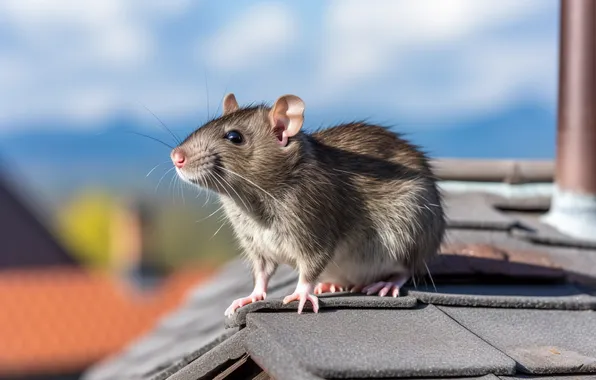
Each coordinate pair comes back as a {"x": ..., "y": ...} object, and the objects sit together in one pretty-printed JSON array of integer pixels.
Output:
[{"x": 178, "y": 158}]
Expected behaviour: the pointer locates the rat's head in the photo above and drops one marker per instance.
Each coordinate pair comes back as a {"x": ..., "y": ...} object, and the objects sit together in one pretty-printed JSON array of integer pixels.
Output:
[{"x": 244, "y": 149}]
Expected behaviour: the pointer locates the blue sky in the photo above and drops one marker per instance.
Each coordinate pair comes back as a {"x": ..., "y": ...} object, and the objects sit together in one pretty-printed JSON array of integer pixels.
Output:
[{"x": 424, "y": 63}]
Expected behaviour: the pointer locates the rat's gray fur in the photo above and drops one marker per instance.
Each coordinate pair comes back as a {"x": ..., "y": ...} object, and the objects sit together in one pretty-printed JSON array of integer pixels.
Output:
[{"x": 349, "y": 205}]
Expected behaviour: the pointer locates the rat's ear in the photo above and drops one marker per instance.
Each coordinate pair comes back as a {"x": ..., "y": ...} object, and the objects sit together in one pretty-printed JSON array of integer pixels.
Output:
[
  {"x": 229, "y": 104},
  {"x": 286, "y": 117}
]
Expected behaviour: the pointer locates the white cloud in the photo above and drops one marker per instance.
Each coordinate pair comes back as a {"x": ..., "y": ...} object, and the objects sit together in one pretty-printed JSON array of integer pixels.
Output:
[
  {"x": 487, "y": 82},
  {"x": 262, "y": 32},
  {"x": 104, "y": 30},
  {"x": 366, "y": 41},
  {"x": 382, "y": 28},
  {"x": 83, "y": 59},
  {"x": 13, "y": 71}
]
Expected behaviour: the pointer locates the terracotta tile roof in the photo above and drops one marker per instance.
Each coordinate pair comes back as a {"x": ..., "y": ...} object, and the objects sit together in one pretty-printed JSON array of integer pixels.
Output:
[{"x": 63, "y": 319}]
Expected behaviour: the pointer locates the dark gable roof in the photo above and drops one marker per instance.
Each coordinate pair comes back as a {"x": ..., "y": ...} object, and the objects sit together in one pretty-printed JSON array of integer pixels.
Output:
[
  {"x": 513, "y": 298},
  {"x": 26, "y": 243}
]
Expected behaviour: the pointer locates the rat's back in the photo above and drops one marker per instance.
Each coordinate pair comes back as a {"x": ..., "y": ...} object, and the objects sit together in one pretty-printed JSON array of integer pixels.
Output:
[{"x": 375, "y": 142}]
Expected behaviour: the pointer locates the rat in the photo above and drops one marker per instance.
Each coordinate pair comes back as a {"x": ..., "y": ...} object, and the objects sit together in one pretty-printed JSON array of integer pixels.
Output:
[{"x": 352, "y": 207}]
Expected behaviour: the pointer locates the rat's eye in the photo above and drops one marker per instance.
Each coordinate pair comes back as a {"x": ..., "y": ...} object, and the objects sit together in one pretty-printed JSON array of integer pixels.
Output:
[{"x": 234, "y": 136}]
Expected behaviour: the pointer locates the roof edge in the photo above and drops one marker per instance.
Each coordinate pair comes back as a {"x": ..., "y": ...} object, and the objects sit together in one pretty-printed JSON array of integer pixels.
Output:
[{"x": 505, "y": 171}]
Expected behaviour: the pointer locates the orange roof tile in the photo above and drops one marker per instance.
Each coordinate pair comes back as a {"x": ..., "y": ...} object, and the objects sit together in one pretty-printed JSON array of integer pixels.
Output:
[{"x": 63, "y": 319}]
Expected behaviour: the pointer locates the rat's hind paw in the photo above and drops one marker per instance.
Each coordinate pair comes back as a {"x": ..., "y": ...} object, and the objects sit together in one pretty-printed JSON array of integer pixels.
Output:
[
  {"x": 303, "y": 296},
  {"x": 326, "y": 287},
  {"x": 382, "y": 288},
  {"x": 254, "y": 297}
]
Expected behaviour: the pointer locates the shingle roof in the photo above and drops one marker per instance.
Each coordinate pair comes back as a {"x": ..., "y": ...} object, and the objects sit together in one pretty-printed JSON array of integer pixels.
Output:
[
  {"x": 62, "y": 319},
  {"x": 513, "y": 298}
]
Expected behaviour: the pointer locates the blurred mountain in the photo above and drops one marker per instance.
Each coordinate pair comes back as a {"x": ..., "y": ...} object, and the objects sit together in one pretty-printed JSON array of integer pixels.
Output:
[
  {"x": 55, "y": 159},
  {"x": 524, "y": 132}
]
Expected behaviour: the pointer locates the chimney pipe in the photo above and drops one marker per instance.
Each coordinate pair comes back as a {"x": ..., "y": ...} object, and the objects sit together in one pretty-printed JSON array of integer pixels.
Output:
[{"x": 573, "y": 206}]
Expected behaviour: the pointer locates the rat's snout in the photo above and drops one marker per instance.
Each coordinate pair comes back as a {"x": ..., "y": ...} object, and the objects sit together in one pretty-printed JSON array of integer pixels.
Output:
[{"x": 178, "y": 158}]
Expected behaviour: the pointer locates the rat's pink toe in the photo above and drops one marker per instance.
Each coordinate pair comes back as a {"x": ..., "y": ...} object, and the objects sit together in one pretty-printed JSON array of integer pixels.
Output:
[
  {"x": 326, "y": 287},
  {"x": 389, "y": 288},
  {"x": 383, "y": 288},
  {"x": 302, "y": 297},
  {"x": 254, "y": 297},
  {"x": 319, "y": 288},
  {"x": 355, "y": 289},
  {"x": 373, "y": 288}
]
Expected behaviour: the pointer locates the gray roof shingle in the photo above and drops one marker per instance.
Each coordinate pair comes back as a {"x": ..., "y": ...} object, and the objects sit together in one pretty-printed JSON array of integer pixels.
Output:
[
  {"x": 513, "y": 298},
  {"x": 359, "y": 343},
  {"x": 540, "y": 341},
  {"x": 563, "y": 296}
]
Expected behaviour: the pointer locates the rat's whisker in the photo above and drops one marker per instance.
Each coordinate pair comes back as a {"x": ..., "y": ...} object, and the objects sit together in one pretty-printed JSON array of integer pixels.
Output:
[
  {"x": 206, "y": 92},
  {"x": 150, "y": 137},
  {"x": 219, "y": 229},
  {"x": 162, "y": 177},
  {"x": 155, "y": 167},
  {"x": 176, "y": 139},
  {"x": 207, "y": 198},
  {"x": 234, "y": 190},
  {"x": 230, "y": 186},
  {"x": 222, "y": 186},
  {"x": 181, "y": 187},
  {"x": 210, "y": 215},
  {"x": 171, "y": 187},
  {"x": 208, "y": 192},
  {"x": 219, "y": 105},
  {"x": 251, "y": 182},
  {"x": 177, "y": 189},
  {"x": 430, "y": 276}
]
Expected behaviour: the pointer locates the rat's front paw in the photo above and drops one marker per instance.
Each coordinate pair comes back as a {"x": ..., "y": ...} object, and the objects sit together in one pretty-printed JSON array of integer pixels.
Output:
[
  {"x": 303, "y": 296},
  {"x": 254, "y": 297}
]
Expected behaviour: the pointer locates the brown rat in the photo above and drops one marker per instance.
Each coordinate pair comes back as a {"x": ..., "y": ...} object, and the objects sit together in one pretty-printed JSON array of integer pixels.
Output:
[{"x": 353, "y": 207}]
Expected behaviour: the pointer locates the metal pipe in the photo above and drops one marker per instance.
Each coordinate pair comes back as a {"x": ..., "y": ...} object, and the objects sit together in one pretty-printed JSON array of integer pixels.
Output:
[
  {"x": 573, "y": 206},
  {"x": 576, "y": 130}
]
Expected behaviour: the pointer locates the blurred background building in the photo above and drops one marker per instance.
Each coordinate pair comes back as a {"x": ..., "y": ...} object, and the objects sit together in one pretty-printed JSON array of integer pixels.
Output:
[{"x": 99, "y": 237}]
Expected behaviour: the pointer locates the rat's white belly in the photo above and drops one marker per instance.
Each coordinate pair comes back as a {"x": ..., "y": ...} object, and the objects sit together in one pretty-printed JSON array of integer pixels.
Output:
[
  {"x": 268, "y": 242},
  {"x": 259, "y": 239},
  {"x": 276, "y": 247},
  {"x": 359, "y": 268}
]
